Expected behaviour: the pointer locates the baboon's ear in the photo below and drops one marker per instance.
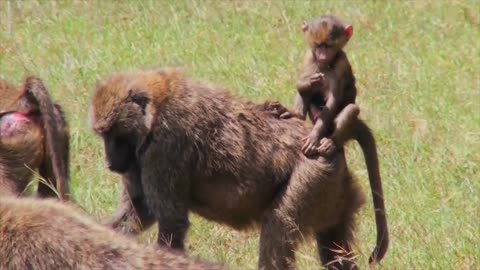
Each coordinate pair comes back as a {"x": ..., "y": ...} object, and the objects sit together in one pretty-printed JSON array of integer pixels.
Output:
[
  {"x": 305, "y": 27},
  {"x": 348, "y": 31},
  {"x": 143, "y": 100},
  {"x": 149, "y": 116},
  {"x": 139, "y": 98}
]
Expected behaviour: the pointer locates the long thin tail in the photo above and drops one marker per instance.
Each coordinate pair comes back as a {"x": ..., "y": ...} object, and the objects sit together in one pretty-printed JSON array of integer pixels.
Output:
[
  {"x": 56, "y": 131},
  {"x": 365, "y": 138}
]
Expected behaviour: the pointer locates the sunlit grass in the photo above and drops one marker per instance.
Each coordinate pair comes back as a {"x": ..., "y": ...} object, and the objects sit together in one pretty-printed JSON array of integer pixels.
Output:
[{"x": 417, "y": 65}]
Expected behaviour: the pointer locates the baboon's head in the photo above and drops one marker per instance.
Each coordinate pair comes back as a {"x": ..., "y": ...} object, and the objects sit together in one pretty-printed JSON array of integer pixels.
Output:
[
  {"x": 124, "y": 109},
  {"x": 326, "y": 36},
  {"x": 118, "y": 115}
]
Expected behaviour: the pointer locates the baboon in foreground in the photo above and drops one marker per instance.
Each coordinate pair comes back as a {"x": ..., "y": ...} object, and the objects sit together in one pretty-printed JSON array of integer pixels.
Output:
[
  {"x": 182, "y": 146},
  {"x": 47, "y": 234},
  {"x": 33, "y": 135}
]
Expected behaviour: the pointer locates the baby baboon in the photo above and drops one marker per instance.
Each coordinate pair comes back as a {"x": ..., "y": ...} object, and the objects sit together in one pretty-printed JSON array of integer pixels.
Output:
[
  {"x": 47, "y": 234},
  {"x": 326, "y": 91},
  {"x": 182, "y": 146},
  {"x": 326, "y": 86},
  {"x": 33, "y": 132}
]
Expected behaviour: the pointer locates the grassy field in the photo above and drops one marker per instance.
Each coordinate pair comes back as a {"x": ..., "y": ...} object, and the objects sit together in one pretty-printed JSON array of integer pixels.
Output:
[{"x": 417, "y": 65}]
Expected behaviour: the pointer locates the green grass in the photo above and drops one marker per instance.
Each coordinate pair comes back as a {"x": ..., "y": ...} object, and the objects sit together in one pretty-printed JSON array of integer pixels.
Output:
[{"x": 417, "y": 65}]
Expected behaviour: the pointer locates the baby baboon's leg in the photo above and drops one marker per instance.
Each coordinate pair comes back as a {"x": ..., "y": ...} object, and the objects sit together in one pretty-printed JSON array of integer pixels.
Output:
[
  {"x": 343, "y": 130},
  {"x": 133, "y": 216},
  {"x": 344, "y": 124}
]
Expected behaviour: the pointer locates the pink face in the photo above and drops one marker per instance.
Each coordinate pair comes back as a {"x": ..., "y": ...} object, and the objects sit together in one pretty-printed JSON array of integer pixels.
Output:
[
  {"x": 324, "y": 54},
  {"x": 12, "y": 123},
  {"x": 326, "y": 38}
]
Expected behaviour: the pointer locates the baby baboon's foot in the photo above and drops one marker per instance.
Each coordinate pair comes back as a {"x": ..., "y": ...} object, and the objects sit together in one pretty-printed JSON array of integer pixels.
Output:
[{"x": 327, "y": 147}]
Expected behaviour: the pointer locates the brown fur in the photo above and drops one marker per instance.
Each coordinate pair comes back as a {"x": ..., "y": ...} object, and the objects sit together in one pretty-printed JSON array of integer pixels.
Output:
[
  {"x": 229, "y": 161},
  {"x": 33, "y": 101},
  {"x": 326, "y": 29},
  {"x": 7, "y": 94},
  {"x": 324, "y": 89},
  {"x": 329, "y": 100},
  {"x": 47, "y": 234},
  {"x": 19, "y": 155}
]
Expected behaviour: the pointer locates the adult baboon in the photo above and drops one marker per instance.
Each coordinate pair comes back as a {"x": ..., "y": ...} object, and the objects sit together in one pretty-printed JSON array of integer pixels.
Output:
[
  {"x": 21, "y": 149},
  {"x": 33, "y": 135},
  {"x": 182, "y": 146},
  {"x": 47, "y": 234}
]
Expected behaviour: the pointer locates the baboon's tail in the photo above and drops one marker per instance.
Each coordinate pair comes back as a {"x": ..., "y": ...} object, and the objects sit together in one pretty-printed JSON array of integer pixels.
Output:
[
  {"x": 365, "y": 138},
  {"x": 57, "y": 135}
]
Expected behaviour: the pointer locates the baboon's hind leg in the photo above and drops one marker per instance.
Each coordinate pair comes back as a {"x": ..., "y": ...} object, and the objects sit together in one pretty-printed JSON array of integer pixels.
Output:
[
  {"x": 335, "y": 247},
  {"x": 335, "y": 243},
  {"x": 298, "y": 209},
  {"x": 277, "y": 243}
]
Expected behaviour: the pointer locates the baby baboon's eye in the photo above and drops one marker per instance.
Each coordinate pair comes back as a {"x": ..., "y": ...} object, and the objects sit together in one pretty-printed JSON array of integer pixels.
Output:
[{"x": 324, "y": 46}]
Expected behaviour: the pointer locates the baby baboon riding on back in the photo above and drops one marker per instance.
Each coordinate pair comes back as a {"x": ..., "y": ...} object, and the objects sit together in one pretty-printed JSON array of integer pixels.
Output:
[{"x": 326, "y": 92}]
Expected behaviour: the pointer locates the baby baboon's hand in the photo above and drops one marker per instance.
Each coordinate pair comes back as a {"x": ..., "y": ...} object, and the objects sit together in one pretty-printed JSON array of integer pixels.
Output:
[
  {"x": 311, "y": 143},
  {"x": 286, "y": 115},
  {"x": 277, "y": 109},
  {"x": 281, "y": 111},
  {"x": 317, "y": 78}
]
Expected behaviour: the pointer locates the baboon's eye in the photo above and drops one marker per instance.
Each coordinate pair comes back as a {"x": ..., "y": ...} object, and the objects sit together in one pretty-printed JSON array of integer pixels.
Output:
[
  {"x": 324, "y": 45},
  {"x": 139, "y": 99}
]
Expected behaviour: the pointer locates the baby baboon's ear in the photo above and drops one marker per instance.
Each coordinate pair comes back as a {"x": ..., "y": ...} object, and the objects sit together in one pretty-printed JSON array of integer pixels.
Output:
[{"x": 348, "y": 31}]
